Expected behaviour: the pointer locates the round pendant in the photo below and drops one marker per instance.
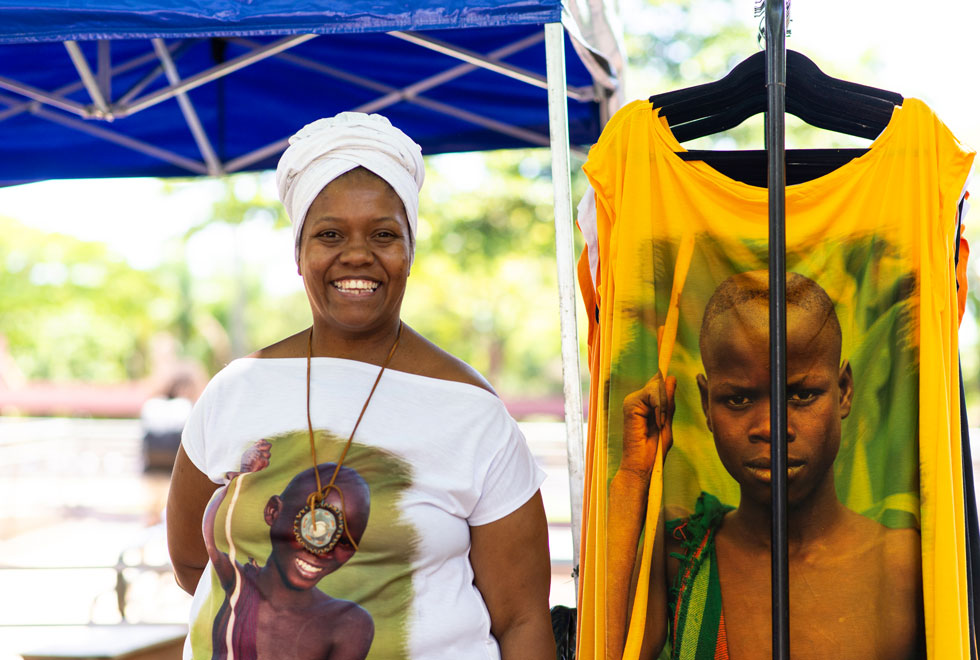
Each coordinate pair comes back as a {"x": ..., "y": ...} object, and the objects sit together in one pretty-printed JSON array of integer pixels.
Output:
[{"x": 320, "y": 528}]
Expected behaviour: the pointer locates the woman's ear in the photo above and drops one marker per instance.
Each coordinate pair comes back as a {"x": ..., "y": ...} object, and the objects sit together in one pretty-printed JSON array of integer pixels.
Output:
[{"x": 299, "y": 251}]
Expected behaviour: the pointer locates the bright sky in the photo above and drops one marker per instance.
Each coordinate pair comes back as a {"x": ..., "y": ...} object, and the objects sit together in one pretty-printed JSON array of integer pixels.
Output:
[
  {"x": 919, "y": 49},
  {"x": 926, "y": 50}
]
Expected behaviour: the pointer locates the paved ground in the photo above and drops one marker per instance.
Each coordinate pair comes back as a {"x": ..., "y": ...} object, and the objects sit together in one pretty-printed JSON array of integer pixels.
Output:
[{"x": 76, "y": 510}]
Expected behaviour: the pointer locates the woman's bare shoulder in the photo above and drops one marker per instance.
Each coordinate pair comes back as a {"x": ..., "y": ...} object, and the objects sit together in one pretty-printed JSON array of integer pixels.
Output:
[
  {"x": 420, "y": 356},
  {"x": 416, "y": 355},
  {"x": 290, "y": 347}
]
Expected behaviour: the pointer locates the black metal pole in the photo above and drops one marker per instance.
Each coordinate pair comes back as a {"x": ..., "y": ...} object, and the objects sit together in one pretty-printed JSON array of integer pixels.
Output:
[{"x": 776, "y": 146}]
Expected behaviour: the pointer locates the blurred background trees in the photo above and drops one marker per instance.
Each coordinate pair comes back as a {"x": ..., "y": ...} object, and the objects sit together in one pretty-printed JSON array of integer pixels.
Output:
[
  {"x": 483, "y": 286},
  {"x": 70, "y": 310}
]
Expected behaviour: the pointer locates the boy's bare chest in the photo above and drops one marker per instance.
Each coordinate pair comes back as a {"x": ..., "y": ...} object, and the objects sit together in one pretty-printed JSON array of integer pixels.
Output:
[
  {"x": 839, "y": 608},
  {"x": 290, "y": 634}
]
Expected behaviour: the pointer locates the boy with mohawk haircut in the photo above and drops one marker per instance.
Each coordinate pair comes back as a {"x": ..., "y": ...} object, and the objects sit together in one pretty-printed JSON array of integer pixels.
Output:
[{"x": 855, "y": 585}]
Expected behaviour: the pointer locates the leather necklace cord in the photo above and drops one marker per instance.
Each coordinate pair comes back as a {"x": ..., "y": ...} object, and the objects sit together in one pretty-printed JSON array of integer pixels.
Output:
[{"x": 321, "y": 492}]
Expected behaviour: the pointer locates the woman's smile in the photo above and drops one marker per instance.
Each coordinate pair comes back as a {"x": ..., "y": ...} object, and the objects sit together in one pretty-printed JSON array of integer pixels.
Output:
[
  {"x": 355, "y": 255},
  {"x": 356, "y": 287}
]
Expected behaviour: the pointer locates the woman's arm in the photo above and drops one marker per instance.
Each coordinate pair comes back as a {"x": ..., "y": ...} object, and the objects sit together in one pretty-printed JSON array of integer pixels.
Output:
[
  {"x": 512, "y": 569},
  {"x": 190, "y": 490},
  {"x": 190, "y": 519}
]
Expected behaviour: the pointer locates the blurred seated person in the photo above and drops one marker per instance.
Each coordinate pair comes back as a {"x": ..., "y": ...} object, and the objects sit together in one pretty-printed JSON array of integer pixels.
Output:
[{"x": 162, "y": 420}]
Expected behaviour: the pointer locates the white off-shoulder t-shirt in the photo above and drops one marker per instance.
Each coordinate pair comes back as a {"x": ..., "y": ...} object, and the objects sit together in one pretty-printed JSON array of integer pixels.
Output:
[{"x": 438, "y": 457}]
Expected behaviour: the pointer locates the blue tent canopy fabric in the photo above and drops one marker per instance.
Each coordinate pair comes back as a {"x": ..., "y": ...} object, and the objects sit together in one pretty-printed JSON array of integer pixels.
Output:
[
  {"x": 252, "y": 73},
  {"x": 144, "y": 19}
]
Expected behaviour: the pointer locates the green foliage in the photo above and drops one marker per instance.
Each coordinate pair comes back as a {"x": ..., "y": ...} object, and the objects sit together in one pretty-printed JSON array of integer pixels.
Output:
[
  {"x": 71, "y": 310},
  {"x": 243, "y": 200},
  {"x": 506, "y": 213},
  {"x": 484, "y": 284},
  {"x": 686, "y": 42}
]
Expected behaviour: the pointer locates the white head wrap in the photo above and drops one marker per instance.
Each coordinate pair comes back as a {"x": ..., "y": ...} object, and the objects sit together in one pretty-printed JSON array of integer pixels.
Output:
[{"x": 323, "y": 150}]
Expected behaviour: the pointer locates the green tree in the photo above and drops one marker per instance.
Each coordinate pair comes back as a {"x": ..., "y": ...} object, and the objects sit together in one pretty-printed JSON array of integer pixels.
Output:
[
  {"x": 71, "y": 310},
  {"x": 242, "y": 200},
  {"x": 484, "y": 285}
]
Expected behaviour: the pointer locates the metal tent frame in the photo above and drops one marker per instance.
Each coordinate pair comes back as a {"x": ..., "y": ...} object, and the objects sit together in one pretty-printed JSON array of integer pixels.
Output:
[{"x": 104, "y": 110}]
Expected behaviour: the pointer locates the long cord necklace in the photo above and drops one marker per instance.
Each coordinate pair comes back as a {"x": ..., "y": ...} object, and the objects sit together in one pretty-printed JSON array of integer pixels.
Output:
[{"x": 319, "y": 525}]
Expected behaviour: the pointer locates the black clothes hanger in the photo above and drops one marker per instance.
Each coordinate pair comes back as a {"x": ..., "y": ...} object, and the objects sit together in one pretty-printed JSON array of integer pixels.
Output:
[{"x": 811, "y": 95}]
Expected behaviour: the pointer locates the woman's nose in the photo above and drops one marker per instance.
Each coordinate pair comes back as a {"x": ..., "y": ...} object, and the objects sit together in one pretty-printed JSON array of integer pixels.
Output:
[{"x": 357, "y": 251}]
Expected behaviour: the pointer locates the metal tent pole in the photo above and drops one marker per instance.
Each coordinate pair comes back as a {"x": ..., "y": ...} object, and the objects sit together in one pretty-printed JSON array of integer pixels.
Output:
[
  {"x": 776, "y": 147},
  {"x": 561, "y": 180}
]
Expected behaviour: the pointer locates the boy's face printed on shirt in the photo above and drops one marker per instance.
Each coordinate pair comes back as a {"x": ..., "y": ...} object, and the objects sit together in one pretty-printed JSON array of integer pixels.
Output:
[
  {"x": 735, "y": 397},
  {"x": 299, "y": 568}
]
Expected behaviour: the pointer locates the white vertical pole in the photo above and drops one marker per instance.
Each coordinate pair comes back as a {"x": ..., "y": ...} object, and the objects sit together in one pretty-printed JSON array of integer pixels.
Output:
[{"x": 564, "y": 247}]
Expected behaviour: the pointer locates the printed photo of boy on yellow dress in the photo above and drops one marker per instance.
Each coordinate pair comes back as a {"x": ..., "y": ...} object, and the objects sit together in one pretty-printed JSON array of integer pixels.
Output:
[{"x": 854, "y": 543}]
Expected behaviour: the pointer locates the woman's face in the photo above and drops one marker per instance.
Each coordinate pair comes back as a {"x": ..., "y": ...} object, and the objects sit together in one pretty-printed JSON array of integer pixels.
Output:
[{"x": 355, "y": 254}]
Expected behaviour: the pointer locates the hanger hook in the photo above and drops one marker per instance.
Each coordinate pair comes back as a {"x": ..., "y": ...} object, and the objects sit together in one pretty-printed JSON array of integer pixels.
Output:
[{"x": 760, "y": 13}]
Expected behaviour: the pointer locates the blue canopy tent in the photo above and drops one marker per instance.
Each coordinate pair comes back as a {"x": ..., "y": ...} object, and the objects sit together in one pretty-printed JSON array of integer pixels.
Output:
[
  {"x": 190, "y": 87},
  {"x": 109, "y": 88}
]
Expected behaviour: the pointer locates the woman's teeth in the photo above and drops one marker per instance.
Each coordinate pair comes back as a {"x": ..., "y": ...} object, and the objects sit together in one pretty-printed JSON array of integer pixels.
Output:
[{"x": 355, "y": 286}]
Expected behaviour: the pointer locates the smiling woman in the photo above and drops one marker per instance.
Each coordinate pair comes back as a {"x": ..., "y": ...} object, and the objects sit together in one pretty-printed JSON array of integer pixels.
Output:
[
  {"x": 423, "y": 535},
  {"x": 355, "y": 253}
]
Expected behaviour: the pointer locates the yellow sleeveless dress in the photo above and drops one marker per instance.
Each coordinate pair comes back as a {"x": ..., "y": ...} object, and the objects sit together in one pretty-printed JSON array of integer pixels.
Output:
[{"x": 878, "y": 235}]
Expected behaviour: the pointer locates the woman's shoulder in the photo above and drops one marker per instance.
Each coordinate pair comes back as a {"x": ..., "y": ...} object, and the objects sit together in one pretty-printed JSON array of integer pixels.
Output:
[
  {"x": 250, "y": 372},
  {"x": 417, "y": 355},
  {"x": 290, "y": 347}
]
